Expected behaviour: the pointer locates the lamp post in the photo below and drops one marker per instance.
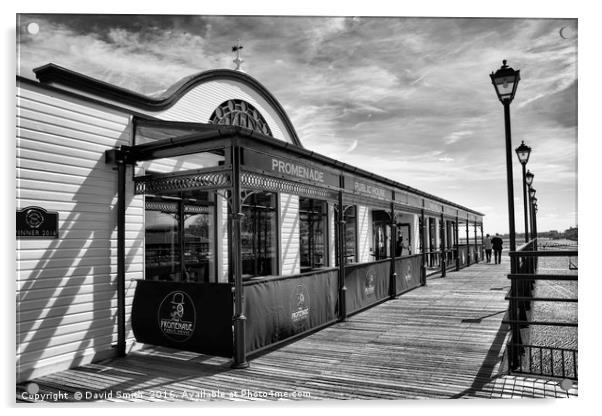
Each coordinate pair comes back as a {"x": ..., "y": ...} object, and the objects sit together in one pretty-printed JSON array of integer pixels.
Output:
[
  {"x": 505, "y": 81},
  {"x": 534, "y": 199},
  {"x": 531, "y": 196},
  {"x": 523, "y": 152}
]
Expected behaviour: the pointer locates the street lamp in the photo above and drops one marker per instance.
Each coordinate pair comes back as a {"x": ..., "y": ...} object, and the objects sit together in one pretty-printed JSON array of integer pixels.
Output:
[
  {"x": 529, "y": 178},
  {"x": 523, "y": 152},
  {"x": 505, "y": 81}
]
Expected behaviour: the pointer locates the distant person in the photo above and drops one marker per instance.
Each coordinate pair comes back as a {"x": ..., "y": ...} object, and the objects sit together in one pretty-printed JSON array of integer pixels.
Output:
[
  {"x": 399, "y": 246},
  {"x": 488, "y": 247},
  {"x": 497, "y": 243}
]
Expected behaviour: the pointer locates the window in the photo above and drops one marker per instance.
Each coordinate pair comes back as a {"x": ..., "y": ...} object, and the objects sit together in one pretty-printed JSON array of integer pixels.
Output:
[
  {"x": 258, "y": 234},
  {"x": 350, "y": 230},
  {"x": 240, "y": 113},
  {"x": 180, "y": 237},
  {"x": 381, "y": 234},
  {"x": 162, "y": 254},
  {"x": 313, "y": 215},
  {"x": 199, "y": 243}
]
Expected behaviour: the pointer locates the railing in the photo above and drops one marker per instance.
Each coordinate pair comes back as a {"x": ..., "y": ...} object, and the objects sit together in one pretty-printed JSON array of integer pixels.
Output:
[{"x": 542, "y": 285}]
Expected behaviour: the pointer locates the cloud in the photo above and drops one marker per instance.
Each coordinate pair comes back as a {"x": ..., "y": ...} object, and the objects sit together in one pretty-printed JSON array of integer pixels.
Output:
[
  {"x": 406, "y": 98},
  {"x": 457, "y": 136}
]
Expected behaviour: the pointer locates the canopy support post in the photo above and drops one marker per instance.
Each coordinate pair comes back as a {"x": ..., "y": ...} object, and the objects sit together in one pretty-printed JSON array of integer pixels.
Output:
[
  {"x": 342, "y": 253},
  {"x": 422, "y": 226},
  {"x": 239, "y": 320},
  {"x": 442, "y": 246},
  {"x": 393, "y": 275},
  {"x": 457, "y": 242}
]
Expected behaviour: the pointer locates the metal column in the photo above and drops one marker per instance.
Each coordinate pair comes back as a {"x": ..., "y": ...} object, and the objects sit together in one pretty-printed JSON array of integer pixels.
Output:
[
  {"x": 442, "y": 246},
  {"x": 239, "y": 320},
  {"x": 341, "y": 237}
]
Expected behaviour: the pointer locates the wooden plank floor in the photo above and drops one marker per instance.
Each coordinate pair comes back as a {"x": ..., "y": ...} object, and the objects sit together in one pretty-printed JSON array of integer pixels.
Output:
[{"x": 444, "y": 340}]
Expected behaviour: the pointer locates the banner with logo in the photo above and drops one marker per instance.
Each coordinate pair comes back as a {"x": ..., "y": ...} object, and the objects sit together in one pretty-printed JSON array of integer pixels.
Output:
[
  {"x": 408, "y": 273},
  {"x": 366, "y": 284},
  {"x": 279, "y": 308},
  {"x": 187, "y": 316}
]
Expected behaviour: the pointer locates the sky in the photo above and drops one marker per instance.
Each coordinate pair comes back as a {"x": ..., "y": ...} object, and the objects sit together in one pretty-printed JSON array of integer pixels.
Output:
[{"x": 406, "y": 98}]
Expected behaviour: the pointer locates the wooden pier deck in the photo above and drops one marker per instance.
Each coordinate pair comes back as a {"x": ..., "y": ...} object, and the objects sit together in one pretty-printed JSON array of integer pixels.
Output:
[{"x": 444, "y": 340}]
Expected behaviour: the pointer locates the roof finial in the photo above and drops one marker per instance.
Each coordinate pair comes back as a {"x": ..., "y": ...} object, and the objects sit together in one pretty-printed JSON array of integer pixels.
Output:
[{"x": 236, "y": 48}]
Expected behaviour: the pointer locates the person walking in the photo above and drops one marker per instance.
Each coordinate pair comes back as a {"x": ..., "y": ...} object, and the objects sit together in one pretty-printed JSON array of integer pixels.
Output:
[
  {"x": 488, "y": 247},
  {"x": 497, "y": 243}
]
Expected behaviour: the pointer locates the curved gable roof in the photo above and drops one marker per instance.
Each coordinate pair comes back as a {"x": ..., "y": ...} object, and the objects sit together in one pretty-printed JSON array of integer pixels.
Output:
[{"x": 52, "y": 73}]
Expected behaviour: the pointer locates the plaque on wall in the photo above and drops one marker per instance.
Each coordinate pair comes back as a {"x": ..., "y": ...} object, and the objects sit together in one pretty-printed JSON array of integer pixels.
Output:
[{"x": 36, "y": 222}]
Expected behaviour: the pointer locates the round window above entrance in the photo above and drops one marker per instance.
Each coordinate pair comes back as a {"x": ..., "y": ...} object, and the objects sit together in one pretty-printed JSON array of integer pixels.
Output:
[{"x": 240, "y": 113}]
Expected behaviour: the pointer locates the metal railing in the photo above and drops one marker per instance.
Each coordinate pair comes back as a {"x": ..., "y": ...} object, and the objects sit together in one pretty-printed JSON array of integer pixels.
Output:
[{"x": 543, "y": 284}]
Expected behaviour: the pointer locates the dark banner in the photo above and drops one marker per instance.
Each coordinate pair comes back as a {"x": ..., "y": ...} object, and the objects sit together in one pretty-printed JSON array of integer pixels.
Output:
[
  {"x": 366, "y": 284},
  {"x": 279, "y": 308},
  {"x": 408, "y": 273},
  {"x": 187, "y": 316}
]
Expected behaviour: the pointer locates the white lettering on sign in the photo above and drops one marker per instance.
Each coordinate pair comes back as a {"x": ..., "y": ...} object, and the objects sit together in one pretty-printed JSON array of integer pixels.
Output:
[
  {"x": 299, "y": 171},
  {"x": 363, "y": 188}
]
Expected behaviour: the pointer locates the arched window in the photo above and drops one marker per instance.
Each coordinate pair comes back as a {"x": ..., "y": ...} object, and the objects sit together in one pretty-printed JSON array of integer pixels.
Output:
[{"x": 240, "y": 113}]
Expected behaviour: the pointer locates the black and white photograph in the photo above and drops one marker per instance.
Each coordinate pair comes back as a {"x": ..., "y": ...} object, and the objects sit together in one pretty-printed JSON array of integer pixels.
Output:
[{"x": 295, "y": 207}]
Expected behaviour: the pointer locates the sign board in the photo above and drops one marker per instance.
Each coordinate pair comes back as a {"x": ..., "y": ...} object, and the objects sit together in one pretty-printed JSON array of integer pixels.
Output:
[
  {"x": 368, "y": 189},
  {"x": 281, "y": 167},
  {"x": 433, "y": 206},
  {"x": 36, "y": 222}
]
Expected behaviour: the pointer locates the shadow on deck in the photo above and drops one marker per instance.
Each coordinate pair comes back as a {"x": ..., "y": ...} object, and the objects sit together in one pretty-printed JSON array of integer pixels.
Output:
[{"x": 444, "y": 340}]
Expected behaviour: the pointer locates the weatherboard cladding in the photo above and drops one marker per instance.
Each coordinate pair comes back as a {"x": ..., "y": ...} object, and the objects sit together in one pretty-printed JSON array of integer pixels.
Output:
[
  {"x": 66, "y": 287},
  {"x": 192, "y": 99},
  {"x": 198, "y": 104}
]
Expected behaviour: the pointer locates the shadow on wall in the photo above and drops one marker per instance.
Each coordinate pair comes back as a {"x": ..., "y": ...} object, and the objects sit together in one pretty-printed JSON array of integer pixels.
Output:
[{"x": 75, "y": 275}]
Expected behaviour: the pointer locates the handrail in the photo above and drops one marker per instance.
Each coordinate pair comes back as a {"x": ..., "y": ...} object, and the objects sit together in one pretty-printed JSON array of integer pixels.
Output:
[
  {"x": 523, "y": 277},
  {"x": 546, "y": 253},
  {"x": 530, "y": 276}
]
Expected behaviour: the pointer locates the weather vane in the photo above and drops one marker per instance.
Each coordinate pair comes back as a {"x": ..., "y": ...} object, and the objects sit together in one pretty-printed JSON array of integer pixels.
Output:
[{"x": 236, "y": 48}]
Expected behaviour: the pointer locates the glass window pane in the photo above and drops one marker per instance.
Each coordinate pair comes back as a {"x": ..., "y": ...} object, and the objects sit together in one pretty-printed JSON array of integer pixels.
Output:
[
  {"x": 313, "y": 216},
  {"x": 170, "y": 239},
  {"x": 199, "y": 244},
  {"x": 258, "y": 234},
  {"x": 349, "y": 235},
  {"x": 162, "y": 256}
]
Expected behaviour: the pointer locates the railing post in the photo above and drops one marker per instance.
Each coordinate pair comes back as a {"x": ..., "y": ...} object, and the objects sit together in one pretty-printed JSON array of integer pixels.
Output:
[
  {"x": 442, "y": 246},
  {"x": 515, "y": 331}
]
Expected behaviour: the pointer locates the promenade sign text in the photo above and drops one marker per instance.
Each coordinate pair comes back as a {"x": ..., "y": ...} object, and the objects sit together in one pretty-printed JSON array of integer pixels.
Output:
[{"x": 290, "y": 169}]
